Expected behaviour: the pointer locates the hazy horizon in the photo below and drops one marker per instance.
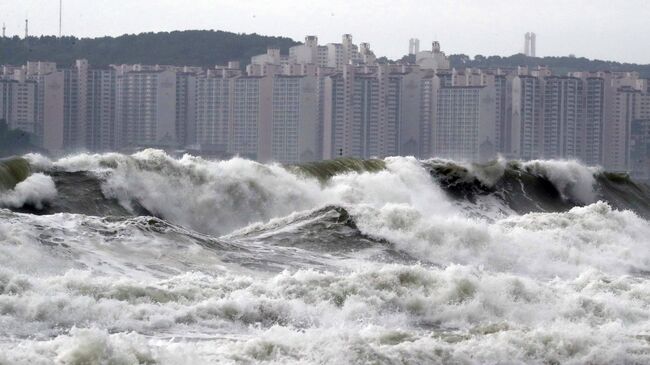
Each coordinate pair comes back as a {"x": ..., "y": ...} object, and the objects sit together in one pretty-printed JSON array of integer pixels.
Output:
[{"x": 594, "y": 29}]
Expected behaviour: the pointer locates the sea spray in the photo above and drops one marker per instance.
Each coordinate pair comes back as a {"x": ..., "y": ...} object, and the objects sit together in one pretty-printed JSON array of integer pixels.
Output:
[
  {"x": 36, "y": 190},
  {"x": 391, "y": 261}
]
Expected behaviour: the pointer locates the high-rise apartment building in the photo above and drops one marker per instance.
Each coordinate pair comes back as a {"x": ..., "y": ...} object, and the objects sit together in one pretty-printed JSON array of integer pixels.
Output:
[
  {"x": 503, "y": 111},
  {"x": 527, "y": 103},
  {"x": 309, "y": 53},
  {"x": 71, "y": 113},
  {"x": 32, "y": 100},
  {"x": 640, "y": 149},
  {"x": 340, "y": 136},
  {"x": 414, "y": 46},
  {"x": 250, "y": 123},
  {"x": 533, "y": 45},
  {"x": 530, "y": 44},
  {"x": 465, "y": 126},
  {"x": 294, "y": 129},
  {"x": 434, "y": 59},
  {"x": 331, "y": 101},
  {"x": 271, "y": 57},
  {"x": 362, "y": 116},
  {"x": 213, "y": 112},
  {"x": 410, "y": 111},
  {"x": 89, "y": 106},
  {"x": 562, "y": 122},
  {"x": 623, "y": 96},
  {"x": 185, "y": 108},
  {"x": 49, "y": 110},
  {"x": 101, "y": 110},
  {"x": 429, "y": 86},
  {"x": 627, "y": 109},
  {"x": 18, "y": 103},
  {"x": 146, "y": 109},
  {"x": 593, "y": 119}
]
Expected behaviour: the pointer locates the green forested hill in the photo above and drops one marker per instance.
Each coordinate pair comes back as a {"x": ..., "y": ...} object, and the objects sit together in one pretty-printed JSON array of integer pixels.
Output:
[
  {"x": 208, "y": 48},
  {"x": 560, "y": 65},
  {"x": 193, "y": 48}
]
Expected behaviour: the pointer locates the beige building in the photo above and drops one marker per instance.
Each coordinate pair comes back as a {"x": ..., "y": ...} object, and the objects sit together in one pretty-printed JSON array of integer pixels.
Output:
[
  {"x": 434, "y": 59},
  {"x": 271, "y": 57},
  {"x": 32, "y": 100},
  {"x": 18, "y": 104},
  {"x": 49, "y": 104}
]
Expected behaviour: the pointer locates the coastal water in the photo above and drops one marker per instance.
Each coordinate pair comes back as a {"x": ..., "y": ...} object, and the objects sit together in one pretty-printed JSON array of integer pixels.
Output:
[{"x": 149, "y": 259}]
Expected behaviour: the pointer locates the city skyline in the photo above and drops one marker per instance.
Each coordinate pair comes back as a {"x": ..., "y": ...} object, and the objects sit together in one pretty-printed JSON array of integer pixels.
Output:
[
  {"x": 597, "y": 30},
  {"x": 323, "y": 101}
]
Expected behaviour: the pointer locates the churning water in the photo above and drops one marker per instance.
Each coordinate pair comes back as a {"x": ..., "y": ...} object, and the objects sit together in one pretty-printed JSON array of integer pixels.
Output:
[{"x": 147, "y": 259}]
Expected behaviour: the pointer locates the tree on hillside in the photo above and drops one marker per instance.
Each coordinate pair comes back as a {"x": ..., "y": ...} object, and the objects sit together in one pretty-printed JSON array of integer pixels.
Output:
[
  {"x": 192, "y": 48},
  {"x": 207, "y": 48}
]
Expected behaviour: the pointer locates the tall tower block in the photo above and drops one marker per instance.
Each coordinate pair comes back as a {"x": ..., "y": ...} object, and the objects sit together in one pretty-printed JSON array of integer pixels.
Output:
[
  {"x": 533, "y": 45},
  {"x": 414, "y": 46}
]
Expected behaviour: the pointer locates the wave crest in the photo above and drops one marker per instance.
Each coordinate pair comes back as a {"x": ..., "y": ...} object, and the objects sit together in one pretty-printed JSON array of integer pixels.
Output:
[{"x": 36, "y": 190}]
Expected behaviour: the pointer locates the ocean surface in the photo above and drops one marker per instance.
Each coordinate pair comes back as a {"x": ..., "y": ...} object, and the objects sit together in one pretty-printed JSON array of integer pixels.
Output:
[{"x": 150, "y": 259}]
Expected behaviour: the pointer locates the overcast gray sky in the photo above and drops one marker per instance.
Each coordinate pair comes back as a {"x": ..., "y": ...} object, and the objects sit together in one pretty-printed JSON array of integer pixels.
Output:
[{"x": 605, "y": 29}]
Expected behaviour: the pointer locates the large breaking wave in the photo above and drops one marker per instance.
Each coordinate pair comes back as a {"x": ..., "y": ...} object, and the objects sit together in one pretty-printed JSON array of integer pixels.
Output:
[{"x": 151, "y": 259}]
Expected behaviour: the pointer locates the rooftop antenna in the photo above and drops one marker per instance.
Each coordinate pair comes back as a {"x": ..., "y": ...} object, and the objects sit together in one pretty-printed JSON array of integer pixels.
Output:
[
  {"x": 26, "y": 28},
  {"x": 4, "y": 28},
  {"x": 60, "y": 16}
]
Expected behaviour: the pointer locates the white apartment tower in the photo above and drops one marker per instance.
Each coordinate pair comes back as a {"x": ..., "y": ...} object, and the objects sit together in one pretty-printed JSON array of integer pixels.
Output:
[
  {"x": 100, "y": 115},
  {"x": 295, "y": 119},
  {"x": 432, "y": 60},
  {"x": 465, "y": 126},
  {"x": 213, "y": 112},
  {"x": 49, "y": 104},
  {"x": 250, "y": 122},
  {"x": 562, "y": 119},
  {"x": 361, "y": 113},
  {"x": 530, "y": 44},
  {"x": 146, "y": 109},
  {"x": 527, "y": 130},
  {"x": 414, "y": 46},
  {"x": 18, "y": 102}
]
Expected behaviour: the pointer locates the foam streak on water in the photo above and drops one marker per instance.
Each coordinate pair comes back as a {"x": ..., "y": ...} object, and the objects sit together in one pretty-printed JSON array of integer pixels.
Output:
[{"x": 386, "y": 262}]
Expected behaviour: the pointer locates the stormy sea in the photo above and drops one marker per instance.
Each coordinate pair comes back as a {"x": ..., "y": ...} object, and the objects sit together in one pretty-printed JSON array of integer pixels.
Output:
[{"x": 151, "y": 259}]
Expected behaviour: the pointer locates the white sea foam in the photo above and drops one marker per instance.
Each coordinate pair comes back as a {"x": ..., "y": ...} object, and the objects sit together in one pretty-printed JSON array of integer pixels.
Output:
[
  {"x": 36, "y": 190},
  {"x": 390, "y": 312},
  {"x": 402, "y": 204},
  {"x": 568, "y": 287},
  {"x": 572, "y": 179}
]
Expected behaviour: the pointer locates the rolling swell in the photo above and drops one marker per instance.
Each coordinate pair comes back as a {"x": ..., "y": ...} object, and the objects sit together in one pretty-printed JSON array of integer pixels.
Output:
[
  {"x": 530, "y": 187},
  {"x": 13, "y": 171},
  {"x": 331, "y": 230},
  {"x": 620, "y": 191},
  {"x": 81, "y": 193},
  {"x": 325, "y": 170},
  {"x": 100, "y": 185}
]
